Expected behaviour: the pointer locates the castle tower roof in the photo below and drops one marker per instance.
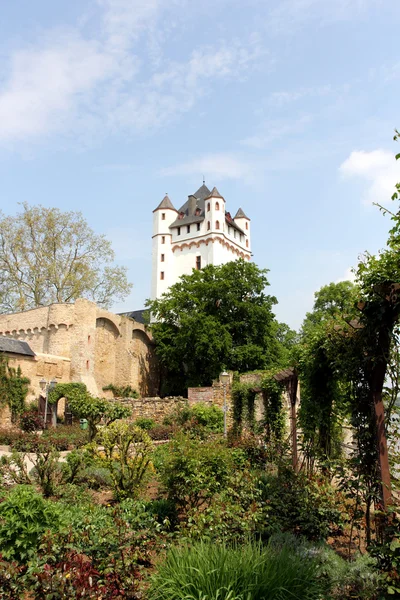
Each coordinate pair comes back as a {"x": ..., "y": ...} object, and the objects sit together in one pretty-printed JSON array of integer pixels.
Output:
[
  {"x": 215, "y": 194},
  {"x": 240, "y": 215},
  {"x": 165, "y": 204},
  {"x": 202, "y": 192}
]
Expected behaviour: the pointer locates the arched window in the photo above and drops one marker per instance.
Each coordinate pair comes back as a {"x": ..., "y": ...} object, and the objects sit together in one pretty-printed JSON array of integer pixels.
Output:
[
  {"x": 247, "y": 243},
  {"x": 208, "y": 206},
  {"x": 208, "y": 226},
  {"x": 247, "y": 225},
  {"x": 217, "y": 206},
  {"x": 216, "y": 224}
]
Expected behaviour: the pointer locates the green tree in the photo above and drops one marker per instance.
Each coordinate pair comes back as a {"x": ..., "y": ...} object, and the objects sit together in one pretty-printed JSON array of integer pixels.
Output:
[
  {"x": 324, "y": 387},
  {"x": 47, "y": 256},
  {"x": 218, "y": 317}
]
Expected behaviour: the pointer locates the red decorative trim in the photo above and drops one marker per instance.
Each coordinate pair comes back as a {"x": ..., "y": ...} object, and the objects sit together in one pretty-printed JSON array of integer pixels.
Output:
[{"x": 207, "y": 241}]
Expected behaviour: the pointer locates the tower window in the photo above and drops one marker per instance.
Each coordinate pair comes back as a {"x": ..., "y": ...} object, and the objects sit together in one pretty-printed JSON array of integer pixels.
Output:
[
  {"x": 198, "y": 263},
  {"x": 162, "y": 275},
  {"x": 179, "y": 231},
  {"x": 198, "y": 226},
  {"x": 247, "y": 225},
  {"x": 187, "y": 228},
  {"x": 234, "y": 233},
  {"x": 217, "y": 206},
  {"x": 216, "y": 224},
  {"x": 241, "y": 237},
  {"x": 162, "y": 216},
  {"x": 208, "y": 206},
  {"x": 208, "y": 226},
  {"x": 162, "y": 257},
  {"x": 247, "y": 243},
  {"x": 229, "y": 230},
  {"x": 163, "y": 239}
]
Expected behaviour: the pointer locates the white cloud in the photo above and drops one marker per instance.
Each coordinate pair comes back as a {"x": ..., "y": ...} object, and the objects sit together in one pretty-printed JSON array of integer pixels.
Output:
[
  {"x": 213, "y": 166},
  {"x": 379, "y": 171},
  {"x": 69, "y": 83}
]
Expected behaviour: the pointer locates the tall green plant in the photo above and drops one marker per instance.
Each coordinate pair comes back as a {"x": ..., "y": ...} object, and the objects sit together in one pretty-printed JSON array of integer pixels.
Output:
[{"x": 13, "y": 388}]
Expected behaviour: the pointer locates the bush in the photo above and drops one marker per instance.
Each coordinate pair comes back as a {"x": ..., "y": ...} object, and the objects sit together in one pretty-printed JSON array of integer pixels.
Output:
[
  {"x": 145, "y": 423},
  {"x": 66, "y": 437},
  {"x": 358, "y": 578},
  {"x": 164, "y": 511},
  {"x": 95, "y": 478},
  {"x": 205, "y": 416},
  {"x": 30, "y": 420},
  {"x": 161, "y": 432},
  {"x": 251, "y": 572},
  {"x": 127, "y": 452},
  {"x": 24, "y": 517},
  {"x": 299, "y": 505},
  {"x": 193, "y": 471},
  {"x": 209, "y": 416}
]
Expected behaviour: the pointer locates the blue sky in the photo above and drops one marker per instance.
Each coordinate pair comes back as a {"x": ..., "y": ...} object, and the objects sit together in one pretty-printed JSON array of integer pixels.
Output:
[{"x": 287, "y": 106}]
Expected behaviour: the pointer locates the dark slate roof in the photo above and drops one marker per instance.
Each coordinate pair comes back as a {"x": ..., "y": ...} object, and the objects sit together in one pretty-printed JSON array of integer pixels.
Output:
[
  {"x": 195, "y": 200},
  {"x": 232, "y": 223},
  {"x": 137, "y": 315},
  {"x": 240, "y": 215},
  {"x": 15, "y": 346},
  {"x": 215, "y": 194},
  {"x": 165, "y": 203},
  {"x": 202, "y": 192}
]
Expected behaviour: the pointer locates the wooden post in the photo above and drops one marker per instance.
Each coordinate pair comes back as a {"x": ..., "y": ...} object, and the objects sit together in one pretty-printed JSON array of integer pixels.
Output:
[{"x": 293, "y": 383}]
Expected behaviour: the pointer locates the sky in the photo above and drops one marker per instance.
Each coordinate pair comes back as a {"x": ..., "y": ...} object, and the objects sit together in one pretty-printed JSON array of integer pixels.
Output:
[{"x": 287, "y": 106}]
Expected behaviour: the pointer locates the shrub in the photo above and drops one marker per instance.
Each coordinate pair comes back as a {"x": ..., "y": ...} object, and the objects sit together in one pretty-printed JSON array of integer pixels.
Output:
[
  {"x": 145, "y": 423},
  {"x": 299, "y": 505},
  {"x": 250, "y": 572},
  {"x": 209, "y": 416},
  {"x": 164, "y": 511},
  {"x": 95, "y": 478},
  {"x": 127, "y": 453},
  {"x": 66, "y": 437},
  {"x": 30, "y": 420},
  {"x": 161, "y": 432},
  {"x": 193, "y": 471},
  {"x": 24, "y": 517},
  {"x": 358, "y": 578}
]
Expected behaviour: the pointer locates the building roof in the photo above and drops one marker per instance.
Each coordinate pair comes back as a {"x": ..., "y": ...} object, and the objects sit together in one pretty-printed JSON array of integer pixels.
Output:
[
  {"x": 165, "y": 204},
  {"x": 240, "y": 215},
  {"x": 15, "y": 346},
  {"x": 194, "y": 201},
  {"x": 136, "y": 315},
  {"x": 215, "y": 194},
  {"x": 232, "y": 223}
]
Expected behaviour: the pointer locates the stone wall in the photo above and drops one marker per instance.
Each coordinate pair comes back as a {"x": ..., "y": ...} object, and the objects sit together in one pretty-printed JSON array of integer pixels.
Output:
[
  {"x": 82, "y": 342},
  {"x": 152, "y": 408}
]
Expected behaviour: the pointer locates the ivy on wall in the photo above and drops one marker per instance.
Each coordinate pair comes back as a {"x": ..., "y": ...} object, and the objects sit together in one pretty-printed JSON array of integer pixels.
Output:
[
  {"x": 13, "y": 388},
  {"x": 243, "y": 401}
]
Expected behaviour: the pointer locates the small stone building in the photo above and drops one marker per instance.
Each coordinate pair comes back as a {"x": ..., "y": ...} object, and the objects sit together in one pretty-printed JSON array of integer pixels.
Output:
[{"x": 85, "y": 343}]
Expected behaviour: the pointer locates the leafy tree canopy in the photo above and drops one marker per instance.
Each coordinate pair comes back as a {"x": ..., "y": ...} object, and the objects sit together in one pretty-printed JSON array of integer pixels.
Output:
[
  {"x": 218, "y": 317},
  {"x": 47, "y": 256}
]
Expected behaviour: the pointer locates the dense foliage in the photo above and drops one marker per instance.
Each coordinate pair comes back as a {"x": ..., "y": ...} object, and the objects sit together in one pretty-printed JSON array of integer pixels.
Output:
[
  {"x": 216, "y": 317},
  {"x": 13, "y": 388}
]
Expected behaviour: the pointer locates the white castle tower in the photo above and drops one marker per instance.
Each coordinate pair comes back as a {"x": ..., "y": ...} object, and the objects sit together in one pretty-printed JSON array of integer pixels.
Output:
[{"x": 200, "y": 233}]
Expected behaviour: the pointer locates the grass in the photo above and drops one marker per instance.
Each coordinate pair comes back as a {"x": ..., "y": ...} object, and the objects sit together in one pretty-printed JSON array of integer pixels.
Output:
[{"x": 250, "y": 572}]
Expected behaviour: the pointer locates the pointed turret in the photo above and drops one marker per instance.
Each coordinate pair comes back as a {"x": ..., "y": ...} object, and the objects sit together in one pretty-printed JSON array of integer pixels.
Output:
[
  {"x": 165, "y": 204},
  {"x": 240, "y": 215},
  {"x": 215, "y": 194}
]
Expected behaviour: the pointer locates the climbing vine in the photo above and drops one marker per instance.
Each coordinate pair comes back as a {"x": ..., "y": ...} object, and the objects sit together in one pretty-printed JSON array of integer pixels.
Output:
[
  {"x": 13, "y": 388},
  {"x": 274, "y": 415}
]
